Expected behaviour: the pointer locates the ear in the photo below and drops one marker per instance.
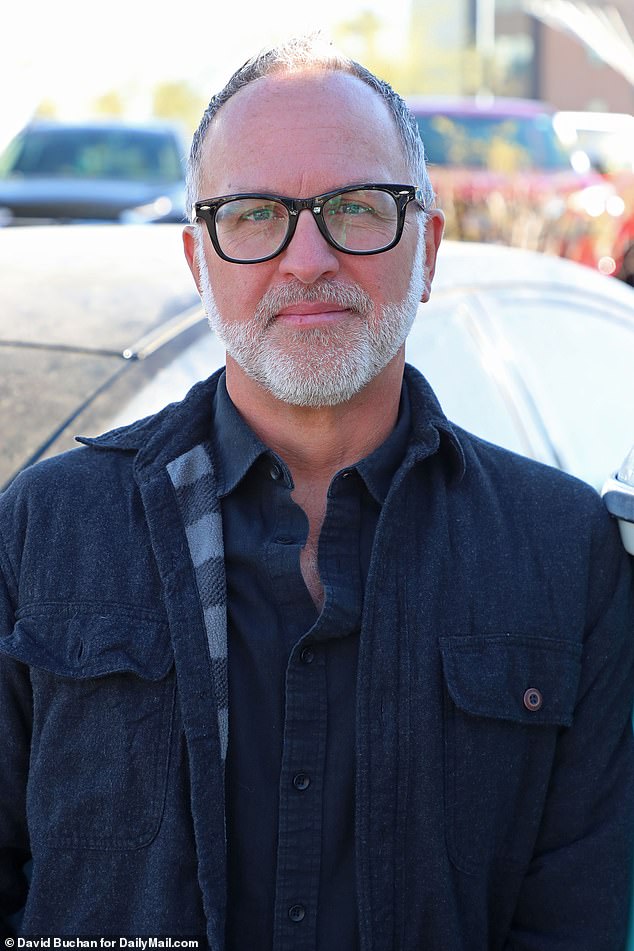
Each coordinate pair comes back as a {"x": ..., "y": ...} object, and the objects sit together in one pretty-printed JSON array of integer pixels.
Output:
[
  {"x": 189, "y": 245},
  {"x": 434, "y": 228}
]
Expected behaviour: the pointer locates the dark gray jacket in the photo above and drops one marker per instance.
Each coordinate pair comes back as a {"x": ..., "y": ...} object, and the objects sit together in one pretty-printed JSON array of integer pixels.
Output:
[{"x": 494, "y": 769}]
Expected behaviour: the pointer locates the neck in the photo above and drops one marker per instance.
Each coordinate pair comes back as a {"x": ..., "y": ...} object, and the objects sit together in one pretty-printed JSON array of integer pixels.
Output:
[{"x": 316, "y": 442}]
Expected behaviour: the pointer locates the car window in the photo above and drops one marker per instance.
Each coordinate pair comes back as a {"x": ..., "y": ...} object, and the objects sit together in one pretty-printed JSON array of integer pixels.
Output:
[
  {"x": 498, "y": 143},
  {"x": 129, "y": 155},
  {"x": 9, "y": 155},
  {"x": 576, "y": 359}
]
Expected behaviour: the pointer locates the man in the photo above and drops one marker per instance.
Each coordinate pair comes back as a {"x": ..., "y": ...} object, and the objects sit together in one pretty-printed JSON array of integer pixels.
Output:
[{"x": 297, "y": 663}]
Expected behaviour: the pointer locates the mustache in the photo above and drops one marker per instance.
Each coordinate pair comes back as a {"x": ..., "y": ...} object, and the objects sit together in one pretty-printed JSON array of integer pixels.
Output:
[{"x": 349, "y": 296}]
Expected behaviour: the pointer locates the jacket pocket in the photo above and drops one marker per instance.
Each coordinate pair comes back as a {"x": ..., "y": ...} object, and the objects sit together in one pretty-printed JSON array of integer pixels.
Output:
[
  {"x": 103, "y": 697},
  {"x": 507, "y": 697}
]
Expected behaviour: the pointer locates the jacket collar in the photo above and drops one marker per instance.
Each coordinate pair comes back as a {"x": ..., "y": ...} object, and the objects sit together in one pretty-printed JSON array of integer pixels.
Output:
[
  {"x": 161, "y": 438},
  {"x": 431, "y": 430}
]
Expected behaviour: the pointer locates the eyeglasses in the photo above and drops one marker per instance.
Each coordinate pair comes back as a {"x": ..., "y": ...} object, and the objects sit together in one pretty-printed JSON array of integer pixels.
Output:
[{"x": 359, "y": 219}]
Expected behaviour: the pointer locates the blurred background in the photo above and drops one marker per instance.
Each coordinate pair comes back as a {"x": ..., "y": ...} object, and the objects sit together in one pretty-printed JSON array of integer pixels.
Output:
[
  {"x": 141, "y": 59},
  {"x": 525, "y": 107}
]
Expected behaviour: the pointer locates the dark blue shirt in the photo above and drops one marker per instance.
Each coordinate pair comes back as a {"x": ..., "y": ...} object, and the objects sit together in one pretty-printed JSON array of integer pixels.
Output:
[{"x": 292, "y": 672}]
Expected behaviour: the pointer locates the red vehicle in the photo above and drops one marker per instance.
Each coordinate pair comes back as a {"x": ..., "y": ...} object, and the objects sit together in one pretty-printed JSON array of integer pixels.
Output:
[
  {"x": 606, "y": 141},
  {"x": 503, "y": 175}
]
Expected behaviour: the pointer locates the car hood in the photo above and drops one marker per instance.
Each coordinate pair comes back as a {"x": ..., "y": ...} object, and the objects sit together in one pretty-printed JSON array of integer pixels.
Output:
[
  {"x": 105, "y": 287},
  {"x": 108, "y": 291}
]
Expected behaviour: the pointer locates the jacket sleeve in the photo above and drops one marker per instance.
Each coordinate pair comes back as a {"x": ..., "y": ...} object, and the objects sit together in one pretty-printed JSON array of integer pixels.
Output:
[
  {"x": 15, "y": 732},
  {"x": 576, "y": 892}
]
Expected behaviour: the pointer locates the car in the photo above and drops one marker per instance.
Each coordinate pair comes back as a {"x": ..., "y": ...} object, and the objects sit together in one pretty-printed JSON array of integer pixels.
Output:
[
  {"x": 502, "y": 174},
  {"x": 93, "y": 171},
  {"x": 618, "y": 495},
  {"x": 605, "y": 140},
  {"x": 89, "y": 315},
  {"x": 532, "y": 352},
  {"x": 527, "y": 350}
]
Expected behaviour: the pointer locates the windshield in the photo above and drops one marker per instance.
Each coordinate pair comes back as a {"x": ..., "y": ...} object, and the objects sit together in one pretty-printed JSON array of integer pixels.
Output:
[
  {"x": 120, "y": 154},
  {"x": 498, "y": 143}
]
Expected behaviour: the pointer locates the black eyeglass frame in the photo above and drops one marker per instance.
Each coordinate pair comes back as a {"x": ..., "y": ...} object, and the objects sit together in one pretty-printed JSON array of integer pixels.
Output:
[{"x": 206, "y": 209}]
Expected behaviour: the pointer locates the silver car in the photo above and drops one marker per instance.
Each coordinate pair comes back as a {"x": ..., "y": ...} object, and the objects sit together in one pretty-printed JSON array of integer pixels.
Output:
[{"x": 101, "y": 325}]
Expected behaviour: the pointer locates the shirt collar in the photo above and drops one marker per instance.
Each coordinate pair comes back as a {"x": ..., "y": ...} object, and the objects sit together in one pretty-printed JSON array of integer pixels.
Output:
[
  {"x": 160, "y": 439},
  {"x": 378, "y": 469},
  {"x": 236, "y": 446}
]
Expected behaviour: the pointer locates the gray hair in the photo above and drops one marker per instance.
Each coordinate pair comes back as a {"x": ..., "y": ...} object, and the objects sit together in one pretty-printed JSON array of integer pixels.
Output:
[{"x": 298, "y": 55}]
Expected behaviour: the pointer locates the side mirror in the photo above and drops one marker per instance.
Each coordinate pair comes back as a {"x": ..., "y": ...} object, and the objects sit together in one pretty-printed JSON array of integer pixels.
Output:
[{"x": 618, "y": 495}]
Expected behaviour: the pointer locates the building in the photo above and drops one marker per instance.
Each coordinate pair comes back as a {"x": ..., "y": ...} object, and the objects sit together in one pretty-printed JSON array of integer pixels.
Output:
[
  {"x": 545, "y": 55},
  {"x": 569, "y": 53}
]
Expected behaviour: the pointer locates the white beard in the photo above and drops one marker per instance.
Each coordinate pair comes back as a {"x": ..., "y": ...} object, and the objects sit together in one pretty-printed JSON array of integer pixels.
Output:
[{"x": 318, "y": 366}]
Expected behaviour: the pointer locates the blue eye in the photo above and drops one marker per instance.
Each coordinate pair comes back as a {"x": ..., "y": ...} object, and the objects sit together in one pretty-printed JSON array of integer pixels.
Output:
[
  {"x": 261, "y": 214},
  {"x": 242, "y": 212},
  {"x": 352, "y": 208}
]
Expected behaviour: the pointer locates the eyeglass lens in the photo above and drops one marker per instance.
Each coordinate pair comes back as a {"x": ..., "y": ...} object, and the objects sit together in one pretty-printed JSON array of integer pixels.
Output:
[{"x": 251, "y": 228}]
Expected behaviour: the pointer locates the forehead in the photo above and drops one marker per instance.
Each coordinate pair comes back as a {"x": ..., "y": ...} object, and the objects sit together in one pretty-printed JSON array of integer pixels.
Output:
[{"x": 309, "y": 131}]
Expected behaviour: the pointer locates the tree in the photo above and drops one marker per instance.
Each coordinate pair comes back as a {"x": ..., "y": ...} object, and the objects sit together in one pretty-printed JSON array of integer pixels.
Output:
[
  {"x": 46, "y": 109},
  {"x": 109, "y": 104},
  {"x": 360, "y": 38},
  {"x": 421, "y": 65},
  {"x": 178, "y": 101}
]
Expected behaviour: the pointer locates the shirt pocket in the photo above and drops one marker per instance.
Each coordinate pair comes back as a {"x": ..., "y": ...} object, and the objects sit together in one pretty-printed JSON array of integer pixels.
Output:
[
  {"x": 103, "y": 698},
  {"x": 507, "y": 697}
]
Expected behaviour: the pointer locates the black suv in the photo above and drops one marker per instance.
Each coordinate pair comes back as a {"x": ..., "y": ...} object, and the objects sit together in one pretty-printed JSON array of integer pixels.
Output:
[{"x": 97, "y": 171}]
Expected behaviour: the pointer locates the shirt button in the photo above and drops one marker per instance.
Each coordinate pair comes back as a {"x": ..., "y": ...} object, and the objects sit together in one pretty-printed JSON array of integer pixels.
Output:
[
  {"x": 307, "y": 655},
  {"x": 297, "y": 912},
  {"x": 533, "y": 699},
  {"x": 301, "y": 781},
  {"x": 275, "y": 471}
]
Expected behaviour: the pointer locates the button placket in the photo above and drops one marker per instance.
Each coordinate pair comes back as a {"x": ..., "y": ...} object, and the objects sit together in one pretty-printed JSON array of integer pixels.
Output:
[
  {"x": 301, "y": 807},
  {"x": 301, "y": 781},
  {"x": 301, "y": 802}
]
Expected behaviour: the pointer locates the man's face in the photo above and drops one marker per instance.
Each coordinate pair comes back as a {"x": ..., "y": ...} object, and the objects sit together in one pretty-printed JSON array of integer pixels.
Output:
[{"x": 313, "y": 325}]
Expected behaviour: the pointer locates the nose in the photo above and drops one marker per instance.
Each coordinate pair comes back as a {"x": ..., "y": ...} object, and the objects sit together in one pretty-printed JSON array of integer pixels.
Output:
[{"x": 308, "y": 257}]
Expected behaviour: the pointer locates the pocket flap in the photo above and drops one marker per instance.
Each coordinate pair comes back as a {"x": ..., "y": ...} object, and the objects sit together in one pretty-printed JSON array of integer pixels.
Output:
[
  {"x": 85, "y": 644},
  {"x": 529, "y": 680}
]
